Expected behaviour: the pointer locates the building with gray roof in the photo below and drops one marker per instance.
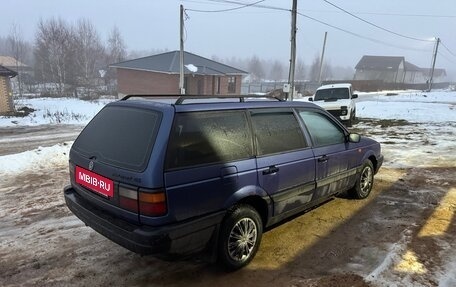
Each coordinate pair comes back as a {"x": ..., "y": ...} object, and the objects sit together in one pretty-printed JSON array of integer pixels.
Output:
[{"x": 159, "y": 75}]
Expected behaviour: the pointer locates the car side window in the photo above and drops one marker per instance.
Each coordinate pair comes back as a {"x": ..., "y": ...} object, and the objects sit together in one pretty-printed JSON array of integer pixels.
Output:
[
  {"x": 322, "y": 129},
  {"x": 209, "y": 137},
  {"x": 277, "y": 132}
]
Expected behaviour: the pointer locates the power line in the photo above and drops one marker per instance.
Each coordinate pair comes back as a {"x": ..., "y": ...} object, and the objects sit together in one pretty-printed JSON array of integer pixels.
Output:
[
  {"x": 386, "y": 14},
  {"x": 449, "y": 51},
  {"x": 226, "y": 10},
  {"x": 406, "y": 15},
  {"x": 253, "y": 5},
  {"x": 361, "y": 36},
  {"x": 375, "y": 25},
  {"x": 446, "y": 58},
  {"x": 321, "y": 22}
]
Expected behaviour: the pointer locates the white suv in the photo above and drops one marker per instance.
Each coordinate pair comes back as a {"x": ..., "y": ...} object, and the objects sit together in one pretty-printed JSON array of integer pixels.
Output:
[{"x": 337, "y": 99}]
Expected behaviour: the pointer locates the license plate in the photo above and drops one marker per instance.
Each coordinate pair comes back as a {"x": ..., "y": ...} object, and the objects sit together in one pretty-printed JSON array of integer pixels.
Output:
[{"x": 95, "y": 182}]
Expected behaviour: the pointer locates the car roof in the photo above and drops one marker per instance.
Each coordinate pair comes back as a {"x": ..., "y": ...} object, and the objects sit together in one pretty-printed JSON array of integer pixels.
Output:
[
  {"x": 331, "y": 86},
  {"x": 209, "y": 103}
]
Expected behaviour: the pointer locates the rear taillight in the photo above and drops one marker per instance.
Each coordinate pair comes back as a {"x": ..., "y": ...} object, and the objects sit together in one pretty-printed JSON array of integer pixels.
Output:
[
  {"x": 128, "y": 199},
  {"x": 152, "y": 203}
]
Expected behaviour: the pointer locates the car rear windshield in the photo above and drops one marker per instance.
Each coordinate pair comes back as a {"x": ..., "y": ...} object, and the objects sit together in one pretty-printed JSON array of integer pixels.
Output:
[
  {"x": 120, "y": 136},
  {"x": 331, "y": 94}
]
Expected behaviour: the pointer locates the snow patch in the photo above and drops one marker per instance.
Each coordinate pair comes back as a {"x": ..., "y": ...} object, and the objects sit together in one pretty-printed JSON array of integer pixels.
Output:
[
  {"x": 192, "y": 68},
  {"x": 391, "y": 258},
  {"x": 55, "y": 111},
  {"x": 448, "y": 278},
  {"x": 41, "y": 158}
]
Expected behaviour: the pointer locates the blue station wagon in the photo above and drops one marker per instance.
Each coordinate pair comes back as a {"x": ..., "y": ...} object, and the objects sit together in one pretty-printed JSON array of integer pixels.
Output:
[{"x": 178, "y": 177}]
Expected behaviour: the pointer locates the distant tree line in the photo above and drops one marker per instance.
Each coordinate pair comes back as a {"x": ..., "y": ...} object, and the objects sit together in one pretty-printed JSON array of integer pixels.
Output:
[
  {"x": 71, "y": 59},
  {"x": 275, "y": 70},
  {"x": 66, "y": 59}
]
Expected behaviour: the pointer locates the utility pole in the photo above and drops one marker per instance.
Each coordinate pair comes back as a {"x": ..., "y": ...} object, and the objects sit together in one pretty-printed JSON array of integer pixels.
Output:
[
  {"x": 291, "y": 73},
  {"x": 181, "y": 52},
  {"x": 434, "y": 58},
  {"x": 321, "y": 59}
]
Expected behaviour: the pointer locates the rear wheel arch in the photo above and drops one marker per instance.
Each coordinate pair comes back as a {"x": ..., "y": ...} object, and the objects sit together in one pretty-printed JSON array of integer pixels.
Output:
[
  {"x": 259, "y": 204},
  {"x": 255, "y": 197}
]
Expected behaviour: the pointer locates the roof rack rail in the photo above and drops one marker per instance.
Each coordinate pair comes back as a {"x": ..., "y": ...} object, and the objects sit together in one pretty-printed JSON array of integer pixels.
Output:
[
  {"x": 181, "y": 98},
  {"x": 150, "y": 96},
  {"x": 242, "y": 98}
]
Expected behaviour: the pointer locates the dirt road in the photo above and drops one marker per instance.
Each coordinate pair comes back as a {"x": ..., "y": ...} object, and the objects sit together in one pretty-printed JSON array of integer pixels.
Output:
[
  {"x": 19, "y": 139},
  {"x": 403, "y": 233}
]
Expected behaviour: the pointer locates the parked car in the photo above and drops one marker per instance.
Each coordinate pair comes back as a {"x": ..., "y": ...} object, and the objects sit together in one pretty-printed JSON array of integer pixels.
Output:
[
  {"x": 198, "y": 174},
  {"x": 337, "y": 99}
]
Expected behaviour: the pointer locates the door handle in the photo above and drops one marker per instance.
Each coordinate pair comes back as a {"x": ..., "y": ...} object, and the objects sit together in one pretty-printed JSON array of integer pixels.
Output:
[
  {"x": 272, "y": 169},
  {"x": 323, "y": 158}
]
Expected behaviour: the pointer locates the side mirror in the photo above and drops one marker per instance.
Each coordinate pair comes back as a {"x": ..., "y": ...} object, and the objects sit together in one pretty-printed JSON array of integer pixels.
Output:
[
  {"x": 310, "y": 99},
  {"x": 354, "y": 96},
  {"x": 354, "y": 138}
]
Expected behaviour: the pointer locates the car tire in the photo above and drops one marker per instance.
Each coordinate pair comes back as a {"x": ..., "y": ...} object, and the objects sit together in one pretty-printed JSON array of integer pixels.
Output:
[
  {"x": 364, "y": 182},
  {"x": 239, "y": 237}
]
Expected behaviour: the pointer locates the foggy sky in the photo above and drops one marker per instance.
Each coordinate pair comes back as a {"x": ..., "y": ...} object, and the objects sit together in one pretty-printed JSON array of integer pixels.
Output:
[{"x": 154, "y": 24}]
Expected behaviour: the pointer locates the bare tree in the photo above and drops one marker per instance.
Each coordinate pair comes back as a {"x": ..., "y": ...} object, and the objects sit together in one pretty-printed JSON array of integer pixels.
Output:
[
  {"x": 89, "y": 53},
  {"x": 314, "y": 69},
  {"x": 256, "y": 69},
  {"x": 300, "y": 73},
  {"x": 54, "y": 53},
  {"x": 4, "y": 46},
  {"x": 18, "y": 50},
  {"x": 343, "y": 73},
  {"x": 115, "y": 52},
  {"x": 238, "y": 63},
  {"x": 327, "y": 72},
  {"x": 277, "y": 71}
]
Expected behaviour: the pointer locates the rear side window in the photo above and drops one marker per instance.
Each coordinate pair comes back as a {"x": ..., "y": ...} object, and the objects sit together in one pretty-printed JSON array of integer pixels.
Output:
[
  {"x": 209, "y": 137},
  {"x": 277, "y": 132},
  {"x": 323, "y": 130},
  {"x": 120, "y": 136}
]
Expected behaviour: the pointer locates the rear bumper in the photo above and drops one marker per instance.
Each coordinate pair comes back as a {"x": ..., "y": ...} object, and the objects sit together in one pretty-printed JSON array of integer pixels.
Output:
[{"x": 175, "y": 239}]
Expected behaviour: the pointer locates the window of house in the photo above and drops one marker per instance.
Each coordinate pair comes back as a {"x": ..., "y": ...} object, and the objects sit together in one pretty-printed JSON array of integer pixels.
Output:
[
  {"x": 322, "y": 129},
  {"x": 277, "y": 132},
  {"x": 209, "y": 137},
  {"x": 232, "y": 84}
]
